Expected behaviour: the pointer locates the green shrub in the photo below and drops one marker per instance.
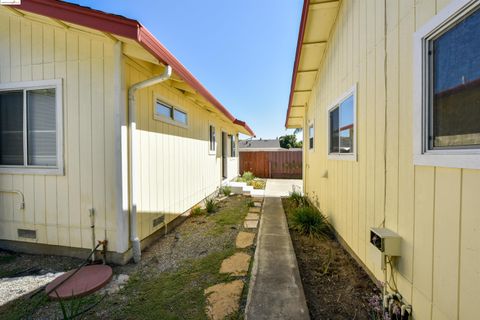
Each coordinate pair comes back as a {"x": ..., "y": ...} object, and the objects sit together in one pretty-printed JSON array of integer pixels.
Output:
[
  {"x": 240, "y": 179},
  {"x": 226, "y": 190},
  {"x": 248, "y": 176},
  {"x": 211, "y": 205},
  {"x": 197, "y": 211},
  {"x": 250, "y": 203},
  {"x": 298, "y": 199},
  {"x": 310, "y": 222}
]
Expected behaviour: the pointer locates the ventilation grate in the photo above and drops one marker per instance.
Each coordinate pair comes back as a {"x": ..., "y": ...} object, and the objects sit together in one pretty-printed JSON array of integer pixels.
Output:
[
  {"x": 158, "y": 221},
  {"x": 26, "y": 233}
]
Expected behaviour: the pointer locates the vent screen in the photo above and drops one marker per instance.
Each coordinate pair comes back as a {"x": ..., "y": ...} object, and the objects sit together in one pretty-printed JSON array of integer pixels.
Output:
[
  {"x": 25, "y": 233},
  {"x": 159, "y": 220}
]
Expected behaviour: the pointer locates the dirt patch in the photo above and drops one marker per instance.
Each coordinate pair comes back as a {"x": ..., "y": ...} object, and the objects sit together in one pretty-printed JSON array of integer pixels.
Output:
[{"x": 335, "y": 286}]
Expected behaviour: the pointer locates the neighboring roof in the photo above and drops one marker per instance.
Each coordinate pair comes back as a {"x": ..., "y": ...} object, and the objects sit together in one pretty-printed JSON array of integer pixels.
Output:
[
  {"x": 128, "y": 28},
  {"x": 318, "y": 18},
  {"x": 259, "y": 144}
]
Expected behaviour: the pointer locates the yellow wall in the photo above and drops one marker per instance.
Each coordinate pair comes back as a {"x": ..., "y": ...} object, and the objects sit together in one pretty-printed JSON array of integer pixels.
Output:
[
  {"x": 435, "y": 210},
  {"x": 175, "y": 170},
  {"x": 58, "y": 206}
]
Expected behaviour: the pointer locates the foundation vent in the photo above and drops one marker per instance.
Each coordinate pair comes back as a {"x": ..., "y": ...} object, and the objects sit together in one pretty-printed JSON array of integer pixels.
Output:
[
  {"x": 26, "y": 233},
  {"x": 158, "y": 221}
]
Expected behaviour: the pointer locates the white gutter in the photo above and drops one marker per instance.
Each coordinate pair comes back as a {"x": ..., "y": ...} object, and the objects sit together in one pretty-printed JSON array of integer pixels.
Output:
[{"x": 133, "y": 156}]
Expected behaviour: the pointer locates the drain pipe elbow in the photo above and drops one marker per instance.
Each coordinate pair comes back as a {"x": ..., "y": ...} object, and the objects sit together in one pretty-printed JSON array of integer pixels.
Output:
[{"x": 133, "y": 156}]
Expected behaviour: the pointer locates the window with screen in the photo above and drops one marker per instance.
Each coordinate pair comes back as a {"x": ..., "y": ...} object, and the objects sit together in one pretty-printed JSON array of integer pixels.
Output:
[
  {"x": 453, "y": 82},
  {"x": 29, "y": 132}
]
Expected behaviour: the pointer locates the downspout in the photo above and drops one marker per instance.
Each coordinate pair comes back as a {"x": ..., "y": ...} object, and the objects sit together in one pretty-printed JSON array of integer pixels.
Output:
[{"x": 133, "y": 156}]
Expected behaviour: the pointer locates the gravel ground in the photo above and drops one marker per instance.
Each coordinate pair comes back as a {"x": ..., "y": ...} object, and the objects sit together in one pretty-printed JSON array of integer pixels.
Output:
[{"x": 13, "y": 288}]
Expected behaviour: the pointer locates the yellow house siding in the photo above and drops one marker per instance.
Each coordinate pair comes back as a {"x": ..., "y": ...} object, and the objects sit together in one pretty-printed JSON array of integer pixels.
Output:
[
  {"x": 176, "y": 170},
  {"x": 57, "y": 206},
  {"x": 435, "y": 210}
]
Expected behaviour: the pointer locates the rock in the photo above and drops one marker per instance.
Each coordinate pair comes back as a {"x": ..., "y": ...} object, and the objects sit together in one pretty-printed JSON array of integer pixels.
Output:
[
  {"x": 244, "y": 239},
  {"x": 250, "y": 224},
  {"x": 236, "y": 265},
  {"x": 223, "y": 299}
]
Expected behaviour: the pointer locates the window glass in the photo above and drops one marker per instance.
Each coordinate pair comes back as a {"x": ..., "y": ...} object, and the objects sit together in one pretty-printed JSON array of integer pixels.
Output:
[
  {"x": 346, "y": 126},
  {"x": 310, "y": 136},
  {"x": 334, "y": 125},
  {"x": 341, "y": 127},
  {"x": 180, "y": 116},
  {"x": 212, "y": 138},
  {"x": 11, "y": 128},
  {"x": 163, "y": 110},
  {"x": 455, "y": 101},
  {"x": 41, "y": 127}
]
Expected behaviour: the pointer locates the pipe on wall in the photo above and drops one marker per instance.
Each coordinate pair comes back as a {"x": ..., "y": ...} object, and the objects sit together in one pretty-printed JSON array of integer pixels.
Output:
[{"x": 133, "y": 156}]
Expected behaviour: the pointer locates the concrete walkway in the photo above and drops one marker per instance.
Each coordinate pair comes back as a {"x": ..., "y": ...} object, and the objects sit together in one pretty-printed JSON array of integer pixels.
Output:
[{"x": 276, "y": 290}]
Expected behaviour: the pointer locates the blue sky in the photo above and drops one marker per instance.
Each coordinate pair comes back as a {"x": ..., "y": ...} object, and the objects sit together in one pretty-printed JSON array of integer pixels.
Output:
[{"x": 241, "y": 51}]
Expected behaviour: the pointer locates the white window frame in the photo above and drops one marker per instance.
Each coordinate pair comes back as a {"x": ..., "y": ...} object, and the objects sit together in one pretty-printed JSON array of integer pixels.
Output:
[
  {"x": 35, "y": 85},
  {"x": 422, "y": 155},
  {"x": 312, "y": 125},
  {"x": 210, "y": 151},
  {"x": 169, "y": 120},
  {"x": 344, "y": 156}
]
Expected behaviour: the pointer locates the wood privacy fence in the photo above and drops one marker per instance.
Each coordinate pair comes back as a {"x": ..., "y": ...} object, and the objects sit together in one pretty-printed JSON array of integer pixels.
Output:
[{"x": 285, "y": 164}]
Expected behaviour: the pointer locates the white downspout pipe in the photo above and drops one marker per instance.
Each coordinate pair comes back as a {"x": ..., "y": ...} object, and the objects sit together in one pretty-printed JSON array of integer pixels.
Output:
[{"x": 133, "y": 156}]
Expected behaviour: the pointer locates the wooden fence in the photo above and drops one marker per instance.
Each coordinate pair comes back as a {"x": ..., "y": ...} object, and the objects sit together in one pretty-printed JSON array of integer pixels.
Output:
[{"x": 272, "y": 164}]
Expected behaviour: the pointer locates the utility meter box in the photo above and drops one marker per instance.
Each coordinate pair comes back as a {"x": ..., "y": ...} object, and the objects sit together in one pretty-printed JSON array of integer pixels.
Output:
[{"x": 386, "y": 241}]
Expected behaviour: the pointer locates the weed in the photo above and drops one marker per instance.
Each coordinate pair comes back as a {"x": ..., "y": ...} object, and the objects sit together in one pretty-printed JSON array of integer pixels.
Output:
[
  {"x": 226, "y": 190},
  {"x": 250, "y": 203},
  {"x": 248, "y": 176},
  {"x": 310, "y": 222},
  {"x": 211, "y": 205},
  {"x": 298, "y": 199},
  {"x": 196, "y": 211}
]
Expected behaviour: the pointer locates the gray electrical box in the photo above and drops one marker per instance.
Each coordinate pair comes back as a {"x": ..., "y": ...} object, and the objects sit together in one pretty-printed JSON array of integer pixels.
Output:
[{"x": 386, "y": 241}]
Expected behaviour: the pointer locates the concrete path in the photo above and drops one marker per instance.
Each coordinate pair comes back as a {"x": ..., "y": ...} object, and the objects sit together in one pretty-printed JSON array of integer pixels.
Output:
[
  {"x": 282, "y": 187},
  {"x": 276, "y": 290}
]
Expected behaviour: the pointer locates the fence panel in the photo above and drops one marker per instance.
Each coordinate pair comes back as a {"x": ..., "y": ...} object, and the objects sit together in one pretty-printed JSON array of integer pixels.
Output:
[{"x": 272, "y": 164}]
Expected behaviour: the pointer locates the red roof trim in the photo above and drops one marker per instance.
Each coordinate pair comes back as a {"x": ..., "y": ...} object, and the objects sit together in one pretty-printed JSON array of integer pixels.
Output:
[
  {"x": 301, "y": 34},
  {"x": 124, "y": 27}
]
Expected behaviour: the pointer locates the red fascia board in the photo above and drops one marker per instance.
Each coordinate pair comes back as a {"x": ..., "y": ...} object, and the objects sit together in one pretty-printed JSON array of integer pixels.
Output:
[
  {"x": 301, "y": 34},
  {"x": 82, "y": 16},
  {"x": 124, "y": 27}
]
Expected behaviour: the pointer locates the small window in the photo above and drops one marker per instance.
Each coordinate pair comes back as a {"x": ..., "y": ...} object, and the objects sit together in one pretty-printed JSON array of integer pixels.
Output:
[
  {"x": 447, "y": 88},
  {"x": 180, "y": 116},
  {"x": 169, "y": 114},
  {"x": 454, "y": 69},
  {"x": 341, "y": 126},
  {"x": 232, "y": 146},
  {"x": 30, "y": 127},
  {"x": 163, "y": 110},
  {"x": 311, "y": 136},
  {"x": 212, "y": 144}
]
